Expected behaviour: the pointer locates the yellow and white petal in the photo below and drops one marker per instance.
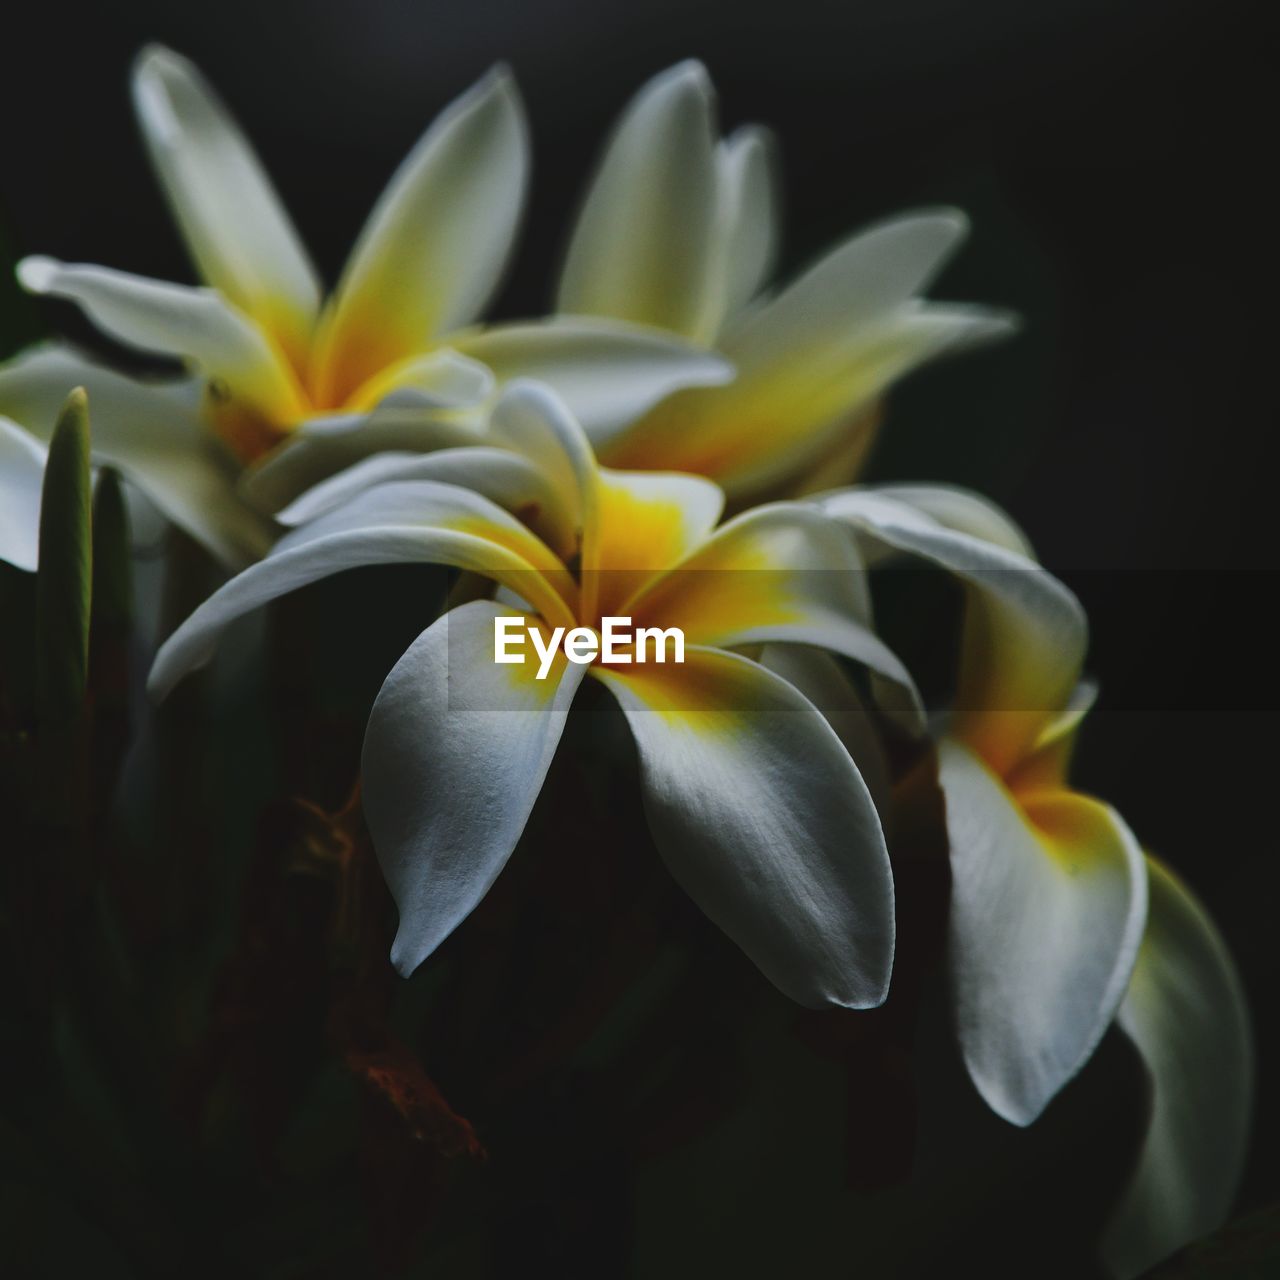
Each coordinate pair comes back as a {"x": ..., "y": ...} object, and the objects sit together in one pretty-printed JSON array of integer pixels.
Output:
[
  {"x": 21, "y": 480},
  {"x": 765, "y": 822},
  {"x": 436, "y": 243},
  {"x": 1048, "y": 903},
  {"x": 406, "y": 521},
  {"x": 824, "y": 682},
  {"x": 748, "y": 224},
  {"x": 239, "y": 234},
  {"x": 607, "y": 372},
  {"x": 644, "y": 523},
  {"x": 455, "y": 755},
  {"x": 153, "y": 433},
  {"x": 642, "y": 247},
  {"x": 1185, "y": 1011},
  {"x": 781, "y": 573},
  {"x": 1025, "y": 633},
  {"x": 196, "y": 325},
  {"x": 793, "y": 406}
]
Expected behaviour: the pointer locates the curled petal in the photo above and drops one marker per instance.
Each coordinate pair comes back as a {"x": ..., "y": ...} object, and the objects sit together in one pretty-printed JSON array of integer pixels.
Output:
[
  {"x": 1185, "y": 1011},
  {"x": 407, "y": 521},
  {"x": 1049, "y": 899},
  {"x": 196, "y": 325}
]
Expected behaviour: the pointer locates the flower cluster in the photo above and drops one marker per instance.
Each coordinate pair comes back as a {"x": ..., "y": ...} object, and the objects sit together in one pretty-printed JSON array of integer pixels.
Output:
[{"x": 579, "y": 467}]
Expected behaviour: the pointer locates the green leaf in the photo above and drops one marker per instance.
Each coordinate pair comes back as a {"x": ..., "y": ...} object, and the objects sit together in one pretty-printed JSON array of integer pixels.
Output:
[
  {"x": 64, "y": 578},
  {"x": 112, "y": 595}
]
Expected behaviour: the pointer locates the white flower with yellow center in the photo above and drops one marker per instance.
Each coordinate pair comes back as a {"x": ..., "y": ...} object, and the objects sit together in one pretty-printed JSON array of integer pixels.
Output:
[
  {"x": 752, "y": 798},
  {"x": 679, "y": 230},
  {"x": 290, "y": 383},
  {"x": 1059, "y": 923}
]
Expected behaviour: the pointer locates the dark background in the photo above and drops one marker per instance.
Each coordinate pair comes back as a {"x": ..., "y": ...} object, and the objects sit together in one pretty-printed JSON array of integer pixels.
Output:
[{"x": 1115, "y": 158}]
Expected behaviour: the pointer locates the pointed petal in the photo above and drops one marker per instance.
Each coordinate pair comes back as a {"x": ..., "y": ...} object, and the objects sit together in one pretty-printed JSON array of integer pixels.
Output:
[
  {"x": 1025, "y": 632},
  {"x": 195, "y": 325},
  {"x": 861, "y": 282},
  {"x": 1049, "y": 899},
  {"x": 799, "y": 393},
  {"x": 436, "y": 243},
  {"x": 608, "y": 373},
  {"x": 1185, "y": 1011},
  {"x": 153, "y": 433},
  {"x": 407, "y": 521},
  {"x": 454, "y": 757},
  {"x": 238, "y": 232},
  {"x": 642, "y": 247},
  {"x": 781, "y": 573},
  {"x": 765, "y": 822},
  {"x": 21, "y": 476},
  {"x": 749, "y": 213}
]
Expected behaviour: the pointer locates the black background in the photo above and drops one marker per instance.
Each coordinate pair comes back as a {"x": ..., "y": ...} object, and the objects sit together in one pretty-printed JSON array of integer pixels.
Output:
[{"x": 1116, "y": 160}]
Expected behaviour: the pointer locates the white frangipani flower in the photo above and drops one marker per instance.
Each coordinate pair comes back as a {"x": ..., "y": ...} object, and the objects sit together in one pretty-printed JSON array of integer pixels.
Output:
[
  {"x": 1059, "y": 923},
  {"x": 752, "y": 798},
  {"x": 679, "y": 230},
  {"x": 21, "y": 477},
  {"x": 288, "y": 380}
]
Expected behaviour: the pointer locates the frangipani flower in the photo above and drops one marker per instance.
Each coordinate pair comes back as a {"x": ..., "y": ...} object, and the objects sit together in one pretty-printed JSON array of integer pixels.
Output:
[
  {"x": 752, "y": 799},
  {"x": 679, "y": 230},
  {"x": 1058, "y": 921},
  {"x": 285, "y": 381},
  {"x": 21, "y": 475}
]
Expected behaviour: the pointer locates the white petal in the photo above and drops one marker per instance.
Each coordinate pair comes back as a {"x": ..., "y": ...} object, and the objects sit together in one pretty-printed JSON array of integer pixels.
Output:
[
  {"x": 964, "y": 511},
  {"x": 1025, "y": 632},
  {"x": 608, "y": 373},
  {"x": 408, "y": 521},
  {"x": 859, "y": 283},
  {"x": 749, "y": 214},
  {"x": 322, "y": 447},
  {"x": 1185, "y": 1010},
  {"x": 436, "y": 243},
  {"x": 454, "y": 757},
  {"x": 822, "y": 680},
  {"x": 765, "y": 822},
  {"x": 505, "y": 478},
  {"x": 153, "y": 433},
  {"x": 196, "y": 325},
  {"x": 21, "y": 478},
  {"x": 235, "y": 226},
  {"x": 642, "y": 247},
  {"x": 1048, "y": 903}
]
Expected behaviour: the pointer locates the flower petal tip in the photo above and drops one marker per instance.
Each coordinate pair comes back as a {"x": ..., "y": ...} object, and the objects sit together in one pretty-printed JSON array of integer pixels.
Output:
[{"x": 36, "y": 273}]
